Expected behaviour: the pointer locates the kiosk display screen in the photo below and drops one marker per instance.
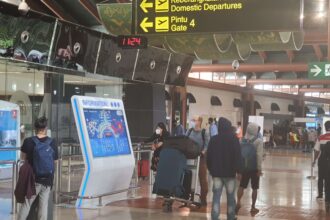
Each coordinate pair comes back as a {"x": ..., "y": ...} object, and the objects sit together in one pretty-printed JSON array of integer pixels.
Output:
[
  {"x": 107, "y": 132},
  {"x": 8, "y": 133}
]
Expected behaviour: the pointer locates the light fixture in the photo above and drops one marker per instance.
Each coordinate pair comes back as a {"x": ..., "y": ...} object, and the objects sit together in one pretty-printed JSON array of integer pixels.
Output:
[
  {"x": 320, "y": 15},
  {"x": 23, "y": 7}
]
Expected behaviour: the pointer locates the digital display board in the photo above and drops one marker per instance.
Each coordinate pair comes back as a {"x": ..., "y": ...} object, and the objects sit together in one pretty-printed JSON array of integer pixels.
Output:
[
  {"x": 107, "y": 132},
  {"x": 214, "y": 16},
  {"x": 132, "y": 42},
  {"x": 8, "y": 133}
]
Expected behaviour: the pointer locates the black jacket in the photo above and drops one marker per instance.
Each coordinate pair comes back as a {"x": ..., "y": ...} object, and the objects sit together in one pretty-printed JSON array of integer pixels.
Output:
[{"x": 224, "y": 152}]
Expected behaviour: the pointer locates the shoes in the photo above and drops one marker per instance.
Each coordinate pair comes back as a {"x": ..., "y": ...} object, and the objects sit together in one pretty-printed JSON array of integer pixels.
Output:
[
  {"x": 238, "y": 207},
  {"x": 254, "y": 210},
  {"x": 319, "y": 197}
]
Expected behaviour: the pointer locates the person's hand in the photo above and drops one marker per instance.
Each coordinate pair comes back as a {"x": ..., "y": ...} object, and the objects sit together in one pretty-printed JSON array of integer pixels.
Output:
[
  {"x": 238, "y": 176},
  {"x": 259, "y": 173},
  {"x": 153, "y": 147}
]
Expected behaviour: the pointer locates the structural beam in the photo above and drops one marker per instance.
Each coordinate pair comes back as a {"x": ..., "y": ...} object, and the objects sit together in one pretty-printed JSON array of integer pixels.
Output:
[
  {"x": 318, "y": 52},
  {"x": 320, "y": 38},
  {"x": 287, "y": 82},
  {"x": 263, "y": 55},
  {"x": 239, "y": 89},
  {"x": 256, "y": 68},
  {"x": 290, "y": 54},
  {"x": 321, "y": 90}
]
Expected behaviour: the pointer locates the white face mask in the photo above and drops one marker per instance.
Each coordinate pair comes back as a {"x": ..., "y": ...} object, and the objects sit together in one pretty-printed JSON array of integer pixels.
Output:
[
  {"x": 158, "y": 131},
  {"x": 192, "y": 124}
]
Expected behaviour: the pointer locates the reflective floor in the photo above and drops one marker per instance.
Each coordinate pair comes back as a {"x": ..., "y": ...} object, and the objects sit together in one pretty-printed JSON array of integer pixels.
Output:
[{"x": 285, "y": 193}]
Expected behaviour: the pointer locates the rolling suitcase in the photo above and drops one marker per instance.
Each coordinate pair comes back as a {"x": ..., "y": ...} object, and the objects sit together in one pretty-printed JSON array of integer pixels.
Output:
[
  {"x": 187, "y": 181},
  {"x": 170, "y": 173},
  {"x": 143, "y": 168}
]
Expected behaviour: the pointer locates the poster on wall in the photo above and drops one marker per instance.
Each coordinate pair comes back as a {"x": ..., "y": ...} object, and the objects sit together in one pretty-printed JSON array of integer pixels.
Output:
[{"x": 9, "y": 135}]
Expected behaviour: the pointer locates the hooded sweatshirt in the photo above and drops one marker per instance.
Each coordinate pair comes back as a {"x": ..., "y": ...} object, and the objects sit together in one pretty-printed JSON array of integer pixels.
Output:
[
  {"x": 252, "y": 134},
  {"x": 224, "y": 152}
]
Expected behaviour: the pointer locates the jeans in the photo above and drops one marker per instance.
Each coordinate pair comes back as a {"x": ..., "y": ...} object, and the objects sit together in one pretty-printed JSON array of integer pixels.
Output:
[
  {"x": 43, "y": 192},
  {"x": 230, "y": 185}
]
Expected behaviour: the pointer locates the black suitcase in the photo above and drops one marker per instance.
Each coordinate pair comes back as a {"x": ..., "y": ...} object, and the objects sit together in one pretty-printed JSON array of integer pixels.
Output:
[{"x": 187, "y": 181}]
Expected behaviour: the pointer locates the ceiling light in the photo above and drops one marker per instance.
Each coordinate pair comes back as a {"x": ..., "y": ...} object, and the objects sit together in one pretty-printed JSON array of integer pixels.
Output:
[{"x": 320, "y": 15}]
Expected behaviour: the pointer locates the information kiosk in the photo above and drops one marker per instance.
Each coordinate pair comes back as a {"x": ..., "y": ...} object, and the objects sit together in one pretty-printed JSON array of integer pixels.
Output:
[
  {"x": 9, "y": 137},
  {"x": 106, "y": 148}
]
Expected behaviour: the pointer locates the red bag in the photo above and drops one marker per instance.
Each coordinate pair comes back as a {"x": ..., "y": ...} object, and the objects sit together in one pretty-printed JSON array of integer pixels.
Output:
[{"x": 143, "y": 168}]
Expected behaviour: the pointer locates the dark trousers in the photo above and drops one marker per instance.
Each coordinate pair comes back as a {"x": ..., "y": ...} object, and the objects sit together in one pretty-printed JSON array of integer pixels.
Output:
[
  {"x": 203, "y": 179},
  {"x": 321, "y": 179},
  {"x": 327, "y": 182}
]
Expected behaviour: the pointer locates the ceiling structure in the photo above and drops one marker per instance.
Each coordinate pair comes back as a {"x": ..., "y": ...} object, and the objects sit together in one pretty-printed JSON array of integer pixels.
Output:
[{"x": 273, "y": 65}]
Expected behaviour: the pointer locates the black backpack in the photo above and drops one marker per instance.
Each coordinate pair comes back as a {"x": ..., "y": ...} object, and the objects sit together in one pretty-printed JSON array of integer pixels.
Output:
[{"x": 203, "y": 135}]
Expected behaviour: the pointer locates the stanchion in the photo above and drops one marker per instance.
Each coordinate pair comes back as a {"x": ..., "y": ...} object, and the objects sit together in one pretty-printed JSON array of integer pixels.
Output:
[
  {"x": 312, "y": 177},
  {"x": 14, "y": 180}
]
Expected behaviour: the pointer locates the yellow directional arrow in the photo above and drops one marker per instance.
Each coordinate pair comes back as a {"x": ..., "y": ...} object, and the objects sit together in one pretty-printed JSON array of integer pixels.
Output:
[
  {"x": 145, "y": 5},
  {"x": 145, "y": 25}
]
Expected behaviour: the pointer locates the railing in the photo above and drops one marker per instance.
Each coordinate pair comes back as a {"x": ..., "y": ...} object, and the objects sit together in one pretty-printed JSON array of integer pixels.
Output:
[
  {"x": 74, "y": 152},
  {"x": 138, "y": 149},
  {"x": 15, "y": 165}
]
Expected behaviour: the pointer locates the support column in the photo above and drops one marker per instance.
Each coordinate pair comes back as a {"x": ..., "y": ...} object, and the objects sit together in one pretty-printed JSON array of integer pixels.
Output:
[
  {"x": 248, "y": 107},
  {"x": 300, "y": 106},
  {"x": 179, "y": 104}
]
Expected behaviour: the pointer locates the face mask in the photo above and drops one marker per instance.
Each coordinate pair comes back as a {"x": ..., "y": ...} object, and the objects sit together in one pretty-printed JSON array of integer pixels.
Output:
[
  {"x": 192, "y": 124},
  {"x": 158, "y": 131}
]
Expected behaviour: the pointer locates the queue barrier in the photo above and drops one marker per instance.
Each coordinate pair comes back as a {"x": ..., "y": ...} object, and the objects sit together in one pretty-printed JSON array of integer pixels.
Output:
[
  {"x": 73, "y": 162},
  {"x": 73, "y": 152},
  {"x": 15, "y": 165}
]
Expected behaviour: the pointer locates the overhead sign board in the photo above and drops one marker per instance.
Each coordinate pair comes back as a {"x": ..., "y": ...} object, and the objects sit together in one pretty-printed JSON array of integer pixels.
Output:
[
  {"x": 214, "y": 16},
  {"x": 319, "y": 70}
]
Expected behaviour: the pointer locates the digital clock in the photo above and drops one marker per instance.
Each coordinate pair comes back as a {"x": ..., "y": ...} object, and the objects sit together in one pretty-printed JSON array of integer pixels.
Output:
[{"x": 132, "y": 42}]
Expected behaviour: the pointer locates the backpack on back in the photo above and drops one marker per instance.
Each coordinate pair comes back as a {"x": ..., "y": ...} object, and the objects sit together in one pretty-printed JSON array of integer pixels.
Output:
[
  {"x": 249, "y": 155},
  {"x": 203, "y": 134},
  {"x": 43, "y": 158}
]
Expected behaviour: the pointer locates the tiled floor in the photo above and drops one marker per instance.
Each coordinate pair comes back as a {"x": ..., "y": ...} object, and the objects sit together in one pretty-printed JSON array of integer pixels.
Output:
[{"x": 285, "y": 193}]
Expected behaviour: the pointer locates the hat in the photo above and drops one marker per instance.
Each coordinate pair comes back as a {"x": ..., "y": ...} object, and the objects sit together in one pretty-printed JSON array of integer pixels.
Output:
[{"x": 251, "y": 131}]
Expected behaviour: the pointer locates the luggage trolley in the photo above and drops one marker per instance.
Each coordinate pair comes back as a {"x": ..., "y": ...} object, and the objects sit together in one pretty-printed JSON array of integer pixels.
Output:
[{"x": 174, "y": 179}]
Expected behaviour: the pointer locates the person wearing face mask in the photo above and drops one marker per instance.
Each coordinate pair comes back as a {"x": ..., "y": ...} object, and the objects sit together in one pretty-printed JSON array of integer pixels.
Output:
[
  {"x": 157, "y": 139},
  {"x": 198, "y": 135}
]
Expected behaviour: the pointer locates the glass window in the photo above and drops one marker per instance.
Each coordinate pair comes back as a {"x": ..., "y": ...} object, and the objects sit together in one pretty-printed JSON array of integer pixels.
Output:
[
  {"x": 194, "y": 75},
  {"x": 206, "y": 76}
]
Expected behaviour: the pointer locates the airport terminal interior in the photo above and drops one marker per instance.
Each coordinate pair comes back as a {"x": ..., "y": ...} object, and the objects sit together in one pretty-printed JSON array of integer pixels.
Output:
[{"x": 109, "y": 74}]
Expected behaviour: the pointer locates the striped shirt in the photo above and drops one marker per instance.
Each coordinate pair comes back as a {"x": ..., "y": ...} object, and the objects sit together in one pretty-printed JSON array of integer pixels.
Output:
[{"x": 321, "y": 141}]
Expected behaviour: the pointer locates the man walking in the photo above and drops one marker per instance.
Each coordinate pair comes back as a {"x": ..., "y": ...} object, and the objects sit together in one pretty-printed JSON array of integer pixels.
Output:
[
  {"x": 197, "y": 134},
  {"x": 322, "y": 153},
  {"x": 177, "y": 128},
  {"x": 252, "y": 153},
  {"x": 223, "y": 162},
  {"x": 213, "y": 127},
  {"x": 41, "y": 152}
]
